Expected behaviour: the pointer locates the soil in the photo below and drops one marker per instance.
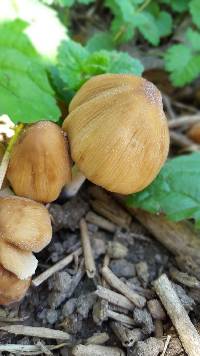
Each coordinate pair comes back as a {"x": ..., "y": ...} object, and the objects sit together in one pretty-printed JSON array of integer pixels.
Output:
[{"x": 66, "y": 301}]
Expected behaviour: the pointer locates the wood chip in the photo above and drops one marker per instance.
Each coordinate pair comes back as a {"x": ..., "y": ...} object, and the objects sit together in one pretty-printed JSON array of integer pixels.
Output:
[
  {"x": 55, "y": 268},
  {"x": 96, "y": 350},
  {"x": 178, "y": 315},
  {"x": 44, "y": 333},
  {"x": 100, "y": 222},
  {"x": 87, "y": 250},
  {"x": 116, "y": 283},
  {"x": 114, "y": 298}
]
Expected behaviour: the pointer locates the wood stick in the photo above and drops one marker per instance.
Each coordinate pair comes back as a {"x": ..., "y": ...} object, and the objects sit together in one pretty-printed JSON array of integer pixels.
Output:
[
  {"x": 87, "y": 250},
  {"x": 178, "y": 315},
  {"x": 187, "y": 120},
  {"x": 179, "y": 238},
  {"x": 97, "y": 339},
  {"x": 122, "y": 318},
  {"x": 96, "y": 350},
  {"x": 127, "y": 336},
  {"x": 114, "y": 298},
  {"x": 183, "y": 141},
  {"x": 100, "y": 222},
  {"x": 45, "y": 333},
  {"x": 116, "y": 283},
  {"x": 55, "y": 268},
  {"x": 105, "y": 205},
  {"x": 20, "y": 349},
  {"x": 166, "y": 345}
]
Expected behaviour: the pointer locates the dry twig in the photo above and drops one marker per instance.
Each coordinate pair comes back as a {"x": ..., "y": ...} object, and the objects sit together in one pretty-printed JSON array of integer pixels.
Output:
[
  {"x": 87, "y": 250},
  {"x": 44, "y": 333},
  {"x": 116, "y": 283},
  {"x": 178, "y": 315},
  {"x": 114, "y": 298},
  {"x": 55, "y": 268}
]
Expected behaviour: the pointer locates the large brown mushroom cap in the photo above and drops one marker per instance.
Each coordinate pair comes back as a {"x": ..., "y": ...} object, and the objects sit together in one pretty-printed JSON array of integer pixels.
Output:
[
  {"x": 24, "y": 223},
  {"x": 40, "y": 165},
  {"x": 118, "y": 132},
  {"x": 12, "y": 289}
]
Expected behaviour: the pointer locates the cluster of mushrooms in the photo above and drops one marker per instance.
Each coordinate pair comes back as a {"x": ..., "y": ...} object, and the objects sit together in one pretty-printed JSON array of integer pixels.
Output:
[{"x": 118, "y": 139}]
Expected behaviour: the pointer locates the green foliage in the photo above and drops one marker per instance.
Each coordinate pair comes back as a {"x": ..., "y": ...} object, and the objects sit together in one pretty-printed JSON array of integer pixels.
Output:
[
  {"x": 67, "y": 3},
  {"x": 25, "y": 93},
  {"x": 195, "y": 12},
  {"x": 100, "y": 40},
  {"x": 131, "y": 15},
  {"x": 77, "y": 64},
  {"x": 177, "y": 5},
  {"x": 44, "y": 28},
  {"x": 175, "y": 192},
  {"x": 183, "y": 60}
]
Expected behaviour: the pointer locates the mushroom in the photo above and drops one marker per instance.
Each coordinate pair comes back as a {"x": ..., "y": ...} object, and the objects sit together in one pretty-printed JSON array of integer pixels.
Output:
[
  {"x": 25, "y": 227},
  {"x": 194, "y": 133},
  {"x": 118, "y": 133},
  {"x": 39, "y": 164},
  {"x": 12, "y": 289}
]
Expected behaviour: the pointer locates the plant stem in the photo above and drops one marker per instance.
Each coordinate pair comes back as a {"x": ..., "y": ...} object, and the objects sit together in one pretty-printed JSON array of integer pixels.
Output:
[
  {"x": 73, "y": 187},
  {"x": 6, "y": 157},
  {"x": 144, "y": 5}
]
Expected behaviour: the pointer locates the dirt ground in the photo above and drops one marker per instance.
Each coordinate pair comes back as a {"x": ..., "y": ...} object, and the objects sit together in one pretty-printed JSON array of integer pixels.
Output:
[{"x": 67, "y": 300}]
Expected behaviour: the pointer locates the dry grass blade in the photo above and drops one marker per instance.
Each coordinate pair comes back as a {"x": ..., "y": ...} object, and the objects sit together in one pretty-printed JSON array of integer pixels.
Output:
[
  {"x": 28, "y": 349},
  {"x": 44, "y": 333},
  {"x": 57, "y": 267},
  {"x": 87, "y": 250}
]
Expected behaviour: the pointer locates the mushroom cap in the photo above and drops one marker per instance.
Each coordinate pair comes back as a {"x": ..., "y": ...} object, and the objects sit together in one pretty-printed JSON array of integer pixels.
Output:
[
  {"x": 194, "y": 133},
  {"x": 24, "y": 223},
  {"x": 118, "y": 132},
  {"x": 39, "y": 165},
  {"x": 22, "y": 263},
  {"x": 12, "y": 289}
]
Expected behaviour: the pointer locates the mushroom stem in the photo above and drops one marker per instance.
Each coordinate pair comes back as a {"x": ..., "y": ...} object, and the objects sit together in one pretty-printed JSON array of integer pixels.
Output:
[
  {"x": 6, "y": 157},
  {"x": 73, "y": 187}
]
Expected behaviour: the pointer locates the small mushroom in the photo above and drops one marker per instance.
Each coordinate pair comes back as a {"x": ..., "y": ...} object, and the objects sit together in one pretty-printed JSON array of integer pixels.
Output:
[
  {"x": 39, "y": 165},
  {"x": 194, "y": 133},
  {"x": 12, "y": 289},
  {"x": 25, "y": 226},
  {"x": 118, "y": 132}
]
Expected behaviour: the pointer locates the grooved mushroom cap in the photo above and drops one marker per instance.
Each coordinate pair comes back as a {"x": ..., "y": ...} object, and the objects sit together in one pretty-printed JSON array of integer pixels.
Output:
[
  {"x": 39, "y": 165},
  {"x": 118, "y": 132},
  {"x": 24, "y": 223},
  {"x": 12, "y": 289}
]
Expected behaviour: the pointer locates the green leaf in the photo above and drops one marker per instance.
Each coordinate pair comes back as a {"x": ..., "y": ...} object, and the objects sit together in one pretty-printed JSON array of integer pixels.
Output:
[
  {"x": 175, "y": 192},
  {"x": 44, "y": 28},
  {"x": 164, "y": 23},
  {"x": 71, "y": 59},
  {"x": 100, "y": 40},
  {"x": 193, "y": 38},
  {"x": 76, "y": 64},
  {"x": 121, "y": 62},
  {"x": 148, "y": 27},
  {"x": 177, "y": 5},
  {"x": 25, "y": 93},
  {"x": 183, "y": 66},
  {"x": 195, "y": 11},
  {"x": 86, "y": 2}
]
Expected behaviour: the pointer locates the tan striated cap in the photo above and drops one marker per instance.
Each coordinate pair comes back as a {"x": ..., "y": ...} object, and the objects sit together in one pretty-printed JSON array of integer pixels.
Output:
[
  {"x": 118, "y": 132},
  {"x": 40, "y": 165},
  {"x": 24, "y": 223}
]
